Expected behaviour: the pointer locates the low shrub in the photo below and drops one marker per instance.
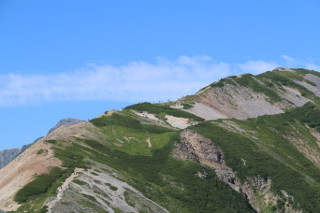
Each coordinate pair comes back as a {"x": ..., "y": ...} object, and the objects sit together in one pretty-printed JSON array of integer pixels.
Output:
[
  {"x": 38, "y": 186},
  {"x": 129, "y": 122}
]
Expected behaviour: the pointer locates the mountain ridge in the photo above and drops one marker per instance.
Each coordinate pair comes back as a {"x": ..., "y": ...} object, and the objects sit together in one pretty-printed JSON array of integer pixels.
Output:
[
  {"x": 7, "y": 155},
  {"x": 252, "y": 140},
  {"x": 226, "y": 98}
]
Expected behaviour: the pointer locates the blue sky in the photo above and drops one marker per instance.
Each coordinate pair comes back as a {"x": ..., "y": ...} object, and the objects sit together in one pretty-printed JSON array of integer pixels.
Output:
[{"x": 77, "y": 58}]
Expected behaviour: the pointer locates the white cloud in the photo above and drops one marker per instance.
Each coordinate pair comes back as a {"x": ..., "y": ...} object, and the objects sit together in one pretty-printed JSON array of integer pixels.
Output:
[
  {"x": 256, "y": 67},
  {"x": 299, "y": 63},
  {"x": 312, "y": 66},
  {"x": 137, "y": 81},
  {"x": 288, "y": 58}
]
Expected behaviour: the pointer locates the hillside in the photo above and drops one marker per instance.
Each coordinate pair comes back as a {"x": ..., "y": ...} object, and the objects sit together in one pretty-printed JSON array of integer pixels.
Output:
[
  {"x": 248, "y": 96},
  {"x": 242, "y": 144},
  {"x": 6, "y": 156}
]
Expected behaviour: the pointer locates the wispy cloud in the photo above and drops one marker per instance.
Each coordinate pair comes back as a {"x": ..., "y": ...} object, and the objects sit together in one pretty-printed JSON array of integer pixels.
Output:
[
  {"x": 312, "y": 66},
  {"x": 299, "y": 63},
  {"x": 256, "y": 67},
  {"x": 288, "y": 58},
  {"x": 136, "y": 81}
]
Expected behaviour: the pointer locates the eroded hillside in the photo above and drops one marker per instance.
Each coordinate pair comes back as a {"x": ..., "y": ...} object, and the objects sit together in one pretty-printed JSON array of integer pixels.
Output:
[{"x": 248, "y": 96}]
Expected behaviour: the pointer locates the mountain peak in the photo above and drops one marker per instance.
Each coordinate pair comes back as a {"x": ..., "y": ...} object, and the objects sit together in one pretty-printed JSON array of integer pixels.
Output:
[{"x": 65, "y": 122}]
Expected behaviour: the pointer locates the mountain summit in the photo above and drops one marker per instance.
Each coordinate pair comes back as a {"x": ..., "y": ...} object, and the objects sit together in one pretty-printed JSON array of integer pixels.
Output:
[
  {"x": 65, "y": 122},
  {"x": 242, "y": 144}
]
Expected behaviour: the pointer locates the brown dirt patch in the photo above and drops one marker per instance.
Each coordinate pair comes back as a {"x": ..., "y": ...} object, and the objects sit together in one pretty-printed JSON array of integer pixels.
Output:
[
  {"x": 148, "y": 140},
  {"x": 22, "y": 170}
]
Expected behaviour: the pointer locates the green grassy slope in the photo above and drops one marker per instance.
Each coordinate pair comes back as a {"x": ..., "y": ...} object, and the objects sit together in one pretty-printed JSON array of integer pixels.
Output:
[
  {"x": 173, "y": 184},
  {"x": 270, "y": 154}
]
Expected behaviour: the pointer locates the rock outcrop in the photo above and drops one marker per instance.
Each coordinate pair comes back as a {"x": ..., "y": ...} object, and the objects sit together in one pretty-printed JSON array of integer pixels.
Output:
[
  {"x": 197, "y": 148},
  {"x": 106, "y": 187},
  {"x": 65, "y": 122},
  {"x": 247, "y": 96},
  {"x": 233, "y": 101}
]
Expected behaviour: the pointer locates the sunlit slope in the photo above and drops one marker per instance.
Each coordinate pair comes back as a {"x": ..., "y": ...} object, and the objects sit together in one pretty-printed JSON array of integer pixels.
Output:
[
  {"x": 248, "y": 96},
  {"x": 260, "y": 156}
]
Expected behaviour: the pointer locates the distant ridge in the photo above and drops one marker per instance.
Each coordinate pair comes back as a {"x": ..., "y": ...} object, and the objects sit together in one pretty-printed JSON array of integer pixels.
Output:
[
  {"x": 6, "y": 156},
  {"x": 65, "y": 122}
]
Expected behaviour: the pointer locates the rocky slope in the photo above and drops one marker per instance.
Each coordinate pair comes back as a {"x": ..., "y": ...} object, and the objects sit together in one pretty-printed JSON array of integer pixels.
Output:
[
  {"x": 248, "y": 96},
  {"x": 242, "y": 144}
]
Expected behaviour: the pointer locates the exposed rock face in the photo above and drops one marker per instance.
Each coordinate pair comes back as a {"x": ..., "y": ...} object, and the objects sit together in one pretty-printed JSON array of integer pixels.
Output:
[
  {"x": 180, "y": 123},
  {"x": 233, "y": 100},
  {"x": 313, "y": 88},
  {"x": 236, "y": 101},
  {"x": 65, "y": 122},
  {"x": 6, "y": 156},
  {"x": 195, "y": 147},
  {"x": 106, "y": 187}
]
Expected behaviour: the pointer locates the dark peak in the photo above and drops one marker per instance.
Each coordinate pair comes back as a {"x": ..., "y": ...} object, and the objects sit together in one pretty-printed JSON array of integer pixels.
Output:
[
  {"x": 65, "y": 122},
  {"x": 6, "y": 156}
]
